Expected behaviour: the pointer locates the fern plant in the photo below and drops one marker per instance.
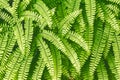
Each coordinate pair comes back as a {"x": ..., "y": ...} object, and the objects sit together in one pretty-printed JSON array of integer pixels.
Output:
[{"x": 59, "y": 40}]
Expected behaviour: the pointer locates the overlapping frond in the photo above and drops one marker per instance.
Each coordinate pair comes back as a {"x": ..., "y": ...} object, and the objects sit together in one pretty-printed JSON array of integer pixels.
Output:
[
  {"x": 50, "y": 36},
  {"x": 116, "y": 49},
  {"x": 46, "y": 55},
  {"x": 12, "y": 67},
  {"x": 65, "y": 24},
  {"x": 78, "y": 39},
  {"x": 43, "y": 11},
  {"x": 102, "y": 71},
  {"x": 28, "y": 34},
  {"x": 19, "y": 35},
  {"x": 90, "y": 6}
]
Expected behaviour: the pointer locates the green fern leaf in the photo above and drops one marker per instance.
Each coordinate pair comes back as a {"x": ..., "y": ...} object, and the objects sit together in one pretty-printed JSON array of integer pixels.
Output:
[
  {"x": 72, "y": 5},
  {"x": 28, "y": 34},
  {"x": 50, "y": 36},
  {"x": 75, "y": 37},
  {"x": 46, "y": 55},
  {"x": 32, "y": 15},
  {"x": 115, "y": 1},
  {"x": 13, "y": 65},
  {"x": 7, "y": 49},
  {"x": 98, "y": 47},
  {"x": 3, "y": 42},
  {"x": 24, "y": 67},
  {"x": 57, "y": 62},
  {"x": 102, "y": 71},
  {"x": 19, "y": 35},
  {"x": 116, "y": 49},
  {"x": 65, "y": 24},
  {"x": 37, "y": 74},
  {"x": 112, "y": 65},
  {"x": 44, "y": 11},
  {"x": 4, "y": 4},
  {"x": 72, "y": 55},
  {"x": 24, "y": 4},
  {"x": 6, "y": 17},
  {"x": 90, "y": 6}
]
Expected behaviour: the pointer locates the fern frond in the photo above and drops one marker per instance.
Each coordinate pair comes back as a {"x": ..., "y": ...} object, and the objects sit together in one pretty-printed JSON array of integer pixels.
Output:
[
  {"x": 65, "y": 71},
  {"x": 43, "y": 11},
  {"x": 14, "y": 8},
  {"x": 102, "y": 71},
  {"x": 98, "y": 47},
  {"x": 28, "y": 34},
  {"x": 4, "y": 4},
  {"x": 13, "y": 65},
  {"x": 80, "y": 28},
  {"x": 57, "y": 62},
  {"x": 6, "y": 17},
  {"x": 112, "y": 65},
  {"x": 113, "y": 8},
  {"x": 19, "y": 35},
  {"x": 37, "y": 74},
  {"x": 75, "y": 37},
  {"x": 32, "y": 15},
  {"x": 24, "y": 67},
  {"x": 8, "y": 49},
  {"x": 109, "y": 16},
  {"x": 72, "y": 55},
  {"x": 24, "y": 4},
  {"x": 116, "y": 49},
  {"x": 46, "y": 55},
  {"x": 72, "y": 5},
  {"x": 114, "y": 1},
  {"x": 3, "y": 42},
  {"x": 109, "y": 40},
  {"x": 50, "y": 36},
  {"x": 90, "y": 6},
  {"x": 65, "y": 24}
]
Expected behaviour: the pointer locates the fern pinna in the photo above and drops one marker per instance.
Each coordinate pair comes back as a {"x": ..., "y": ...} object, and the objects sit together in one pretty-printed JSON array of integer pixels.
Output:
[{"x": 59, "y": 40}]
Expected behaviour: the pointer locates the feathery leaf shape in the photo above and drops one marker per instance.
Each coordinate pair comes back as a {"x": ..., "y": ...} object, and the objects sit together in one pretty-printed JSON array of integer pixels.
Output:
[
  {"x": 14, "y": 8},
  {"x": 24, "y": 4},
  {"x": 65, "y": 24},
  {"x": 37, "y": 74},
  {"x": 7, "y": 50},
  {"x": 19, "y": 35},
  {"x": 6, "y": 17},
  {"x": 50, "y": 36},
  {"x": 112, "y": 65},
  {"x": 57, "y": 62},
  {"x": 28, "y": 34},
  {"x": 102, "y": 71},
  {"x": 24, "y": 67},
  {"x": 116, "y": 49},
  {"x": 72, "y": 5},
  {"x": 75, "y": 37},
  {"x": 98, "y": 47},
  {"x": 43, "y": 11},
  {"x": 72, "y": 55},
  {"x": 108, "y": 15},
  {"x": 67, "y": 50},
  {"x": 13, "y": 65},
  {"x": 3, "y": 42},
  {"x": 90, "y": 6},
  {"x": 46, "y": 55},
  {"x": 4, "y": 4},
  {"x": 32, "y": 15},
  {"x": 115, "y": 1}
]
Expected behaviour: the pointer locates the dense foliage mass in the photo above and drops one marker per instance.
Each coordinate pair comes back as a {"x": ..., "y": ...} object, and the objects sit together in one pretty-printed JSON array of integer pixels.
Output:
[{"x": 59, "y": 40}]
